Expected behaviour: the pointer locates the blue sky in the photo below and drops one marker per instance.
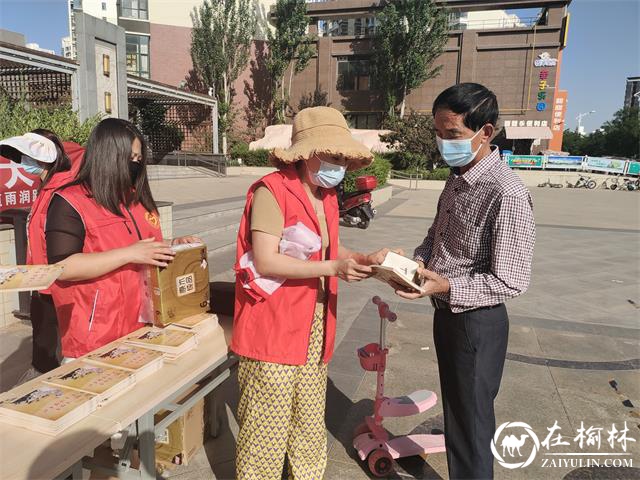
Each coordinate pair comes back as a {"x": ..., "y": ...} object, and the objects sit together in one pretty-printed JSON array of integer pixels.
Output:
[{"x": 603, "y": 48}]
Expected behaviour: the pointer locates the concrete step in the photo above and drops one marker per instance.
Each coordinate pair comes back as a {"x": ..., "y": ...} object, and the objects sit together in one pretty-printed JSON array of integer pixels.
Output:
[
  {"x": 207, "y": 211},
  {"x": 206, "y": 225},
  {"x": 207, "y": 219},
  {"x": 221, "y": 265},
  {"x": 222, "y": 242},
  {"x": 165, "y": 172}
]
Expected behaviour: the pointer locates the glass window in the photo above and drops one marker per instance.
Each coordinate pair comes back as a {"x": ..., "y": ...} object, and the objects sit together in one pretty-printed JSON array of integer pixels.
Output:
[
  {"x": 134, "y": 9},
  {"x": 353, "y": 74},
  {"x": 364, "y": 121},
  {"x": 358, "y": 27},
  {"x": 138, "y": 55},
  {"x": 104, "y": 5},
  {"x": 342, "y": 27}
]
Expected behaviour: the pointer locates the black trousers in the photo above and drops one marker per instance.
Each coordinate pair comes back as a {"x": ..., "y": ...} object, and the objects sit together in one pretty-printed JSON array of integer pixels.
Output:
[
  {"x": 471, "y": 349},
  {"x": 46, "y": 341}
]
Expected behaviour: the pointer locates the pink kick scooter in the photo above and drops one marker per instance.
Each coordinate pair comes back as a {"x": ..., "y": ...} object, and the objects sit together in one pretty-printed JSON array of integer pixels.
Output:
[{"x": 370, "y": 439}]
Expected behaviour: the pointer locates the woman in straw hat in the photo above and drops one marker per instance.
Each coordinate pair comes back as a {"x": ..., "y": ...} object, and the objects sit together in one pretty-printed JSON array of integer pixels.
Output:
[{"x": 288, "y": 261}]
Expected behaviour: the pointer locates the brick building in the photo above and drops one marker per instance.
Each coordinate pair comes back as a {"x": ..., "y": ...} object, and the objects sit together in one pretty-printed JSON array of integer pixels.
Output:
[{"x": 518, "y": 56}]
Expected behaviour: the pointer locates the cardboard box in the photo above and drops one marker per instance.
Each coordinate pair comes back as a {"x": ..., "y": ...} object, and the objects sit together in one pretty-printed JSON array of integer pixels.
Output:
[
  {"x": 181, "y": 289},
  {"x": 183, "y": 438}
]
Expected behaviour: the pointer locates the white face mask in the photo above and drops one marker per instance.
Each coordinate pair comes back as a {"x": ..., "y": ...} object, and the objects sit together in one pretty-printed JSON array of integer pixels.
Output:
[
  {"x": 328, "y": 175},
  {"x": 31, "y": 166}
]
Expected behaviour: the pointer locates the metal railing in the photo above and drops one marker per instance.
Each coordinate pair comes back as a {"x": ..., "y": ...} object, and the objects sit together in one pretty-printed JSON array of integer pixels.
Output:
[
  {"x": 494, "y": 23},
  {"x": 412, "y": 177},
  {"x": 215, "y": 162}
]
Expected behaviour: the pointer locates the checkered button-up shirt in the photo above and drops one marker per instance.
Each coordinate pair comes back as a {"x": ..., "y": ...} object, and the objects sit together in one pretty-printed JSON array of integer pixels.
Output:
[{"x": 482, "y": 237}]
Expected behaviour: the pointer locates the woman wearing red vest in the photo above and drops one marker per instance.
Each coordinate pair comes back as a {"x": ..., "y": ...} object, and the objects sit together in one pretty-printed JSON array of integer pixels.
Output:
[
  {"x": 285, "y": 306},
  {"x": 102, "y": 227},
  {"x": 42, "y": 154}
]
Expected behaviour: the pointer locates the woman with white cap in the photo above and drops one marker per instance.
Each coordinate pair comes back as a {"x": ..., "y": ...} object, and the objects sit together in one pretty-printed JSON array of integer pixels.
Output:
[
  {"x": 288, "y": 261},
  {"x": 41, "y": 153}
]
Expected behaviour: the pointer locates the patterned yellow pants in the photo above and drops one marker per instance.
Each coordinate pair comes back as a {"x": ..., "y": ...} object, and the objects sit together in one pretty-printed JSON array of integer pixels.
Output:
[{"x": 281, "y": 410}]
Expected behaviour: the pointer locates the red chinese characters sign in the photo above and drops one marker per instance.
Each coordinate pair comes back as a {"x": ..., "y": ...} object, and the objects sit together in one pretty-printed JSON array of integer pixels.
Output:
[{"x": 18, "y": 189}]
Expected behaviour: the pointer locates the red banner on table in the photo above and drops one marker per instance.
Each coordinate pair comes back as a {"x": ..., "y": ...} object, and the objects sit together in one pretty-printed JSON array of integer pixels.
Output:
[{"x": 18, "y": 189}]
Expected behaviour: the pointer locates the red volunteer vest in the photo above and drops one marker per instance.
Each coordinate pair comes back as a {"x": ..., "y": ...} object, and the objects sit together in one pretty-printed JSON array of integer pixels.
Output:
[
  {"x": 37, "y": 246},
  {"x": 277, "y": 328},
  {"x": 95, "y": 312}
]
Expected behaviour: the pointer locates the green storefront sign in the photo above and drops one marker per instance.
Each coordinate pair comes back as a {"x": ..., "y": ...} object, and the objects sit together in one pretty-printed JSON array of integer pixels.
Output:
[{"x": 525, "y": 161}]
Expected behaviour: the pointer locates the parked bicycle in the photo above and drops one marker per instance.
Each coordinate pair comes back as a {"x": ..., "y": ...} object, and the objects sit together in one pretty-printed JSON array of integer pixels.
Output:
[
  {"x": 583, "y": 182},
  {"x": 631, "y": 184},
  {"x": 549, "y": 184},
  {"x": 615, "y": 184}
]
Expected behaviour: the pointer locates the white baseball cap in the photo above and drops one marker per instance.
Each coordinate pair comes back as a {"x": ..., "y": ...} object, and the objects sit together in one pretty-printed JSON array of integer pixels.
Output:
[{"x": 33, "y": 145}]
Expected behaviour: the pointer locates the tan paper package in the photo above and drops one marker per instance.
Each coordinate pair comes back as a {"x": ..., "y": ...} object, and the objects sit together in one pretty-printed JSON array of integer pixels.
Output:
[
  {"x": 182, "y": 439},
  {"x": 181, "y": 289}
]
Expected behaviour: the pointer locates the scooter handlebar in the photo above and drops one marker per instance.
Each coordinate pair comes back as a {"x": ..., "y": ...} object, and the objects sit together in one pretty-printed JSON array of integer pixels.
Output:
[{"x": 383, "y": 309}]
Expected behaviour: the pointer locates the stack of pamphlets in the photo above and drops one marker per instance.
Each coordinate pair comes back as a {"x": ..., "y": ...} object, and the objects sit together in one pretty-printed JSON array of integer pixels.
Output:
[
  {"x": 139, "y": 361},
  {"x": 99, "y": 380},
  {"x": 201, "y": 324},
  {"x": 171, "y": 342},
  {"x": 45, "y": 408}
]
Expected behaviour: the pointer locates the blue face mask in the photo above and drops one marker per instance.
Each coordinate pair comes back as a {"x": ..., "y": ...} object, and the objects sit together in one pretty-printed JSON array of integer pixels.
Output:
[
  {"x": 31, "y": 166},
  {"x": 457, "y": 153},
  {"x": 328, "y": 175}
]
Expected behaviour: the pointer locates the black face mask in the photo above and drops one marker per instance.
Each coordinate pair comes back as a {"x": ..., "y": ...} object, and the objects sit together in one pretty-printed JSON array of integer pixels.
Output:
[{"x": 134, "y": 170}]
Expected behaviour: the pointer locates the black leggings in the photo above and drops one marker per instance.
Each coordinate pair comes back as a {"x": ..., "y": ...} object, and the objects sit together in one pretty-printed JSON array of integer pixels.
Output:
[{"x": 46, "y": 342}]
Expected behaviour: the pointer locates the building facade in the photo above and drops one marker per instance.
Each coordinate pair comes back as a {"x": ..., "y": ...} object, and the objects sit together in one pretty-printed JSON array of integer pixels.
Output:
[
  {"x": 158, "y": 33},
  {"x": 519, "y": 57},
  {"x": 632, "y": 92}
]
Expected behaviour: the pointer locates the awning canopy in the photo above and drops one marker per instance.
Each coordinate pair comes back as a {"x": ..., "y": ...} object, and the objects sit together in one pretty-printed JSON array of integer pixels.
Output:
[{"x": 516, "y": 133}]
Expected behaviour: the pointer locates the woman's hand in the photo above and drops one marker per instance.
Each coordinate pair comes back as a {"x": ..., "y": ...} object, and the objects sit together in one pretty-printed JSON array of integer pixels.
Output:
[
  {"x": 149, "y": 252},
  {"x": 376, "y": 258},
  {"x": 350, "y": 271},
  {"x": 186, "y": 239}
]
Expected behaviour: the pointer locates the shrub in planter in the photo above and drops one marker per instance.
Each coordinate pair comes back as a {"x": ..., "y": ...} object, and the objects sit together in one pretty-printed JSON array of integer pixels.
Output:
[
  {"x": 250, "y": 158},
  {"x": 380, "y": 168},
  {"x": 441, "y": 173}
]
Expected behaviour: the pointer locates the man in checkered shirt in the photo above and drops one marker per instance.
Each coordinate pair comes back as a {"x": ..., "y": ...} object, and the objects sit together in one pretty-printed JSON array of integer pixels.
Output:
[{"x": 476, "y": 255}]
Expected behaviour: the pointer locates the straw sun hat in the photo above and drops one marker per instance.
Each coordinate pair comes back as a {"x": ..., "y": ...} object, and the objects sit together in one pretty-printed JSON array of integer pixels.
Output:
[{"x": 322, "y": 131}]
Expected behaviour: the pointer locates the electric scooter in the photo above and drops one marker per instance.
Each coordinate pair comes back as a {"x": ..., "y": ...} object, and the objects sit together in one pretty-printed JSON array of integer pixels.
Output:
[
  {"x": 356, "y": 207},
  {"x": 370, "y": 439}
]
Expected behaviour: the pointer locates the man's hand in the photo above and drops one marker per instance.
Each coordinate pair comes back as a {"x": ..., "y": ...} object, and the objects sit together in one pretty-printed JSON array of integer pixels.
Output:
[
  {"x": 376, "y": 258},
  {"x": 432, "y": 283}
]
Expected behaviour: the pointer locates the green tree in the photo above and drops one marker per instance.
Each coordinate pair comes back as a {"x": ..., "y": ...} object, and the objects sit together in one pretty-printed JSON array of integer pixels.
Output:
[
  {"x": 318, "y": 98},
  {"x": 289, "y": 49},
  {"x": 413, "y": 138},
  {"x": 622, "y": 134},
  {"x": 220, "y": 49},
  {"x": 572, "y": 142},
  {"x": 411, "y": 35},
  {"x": 619, "y": 137}
]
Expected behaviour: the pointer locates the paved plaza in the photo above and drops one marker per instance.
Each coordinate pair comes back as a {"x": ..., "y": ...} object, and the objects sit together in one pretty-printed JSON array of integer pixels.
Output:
[
  {"x": 571, "y": 335},
  {"x": 574, "y": 336}
]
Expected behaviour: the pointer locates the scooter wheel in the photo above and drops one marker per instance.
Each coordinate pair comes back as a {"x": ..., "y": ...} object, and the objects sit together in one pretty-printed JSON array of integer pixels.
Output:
[
  {"x": 363, "y": 224},
  {"x": 380, "y": 463},
  {"x": 361, "y": 430}
]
